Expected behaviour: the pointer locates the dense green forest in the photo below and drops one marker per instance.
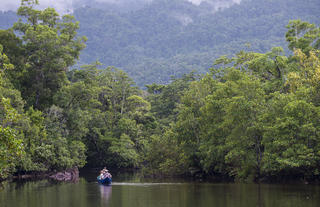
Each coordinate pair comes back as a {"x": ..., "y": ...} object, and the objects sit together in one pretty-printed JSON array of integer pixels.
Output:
[
  {"x": 172, "y": 37},
  {"x": 154, "y": 41},
  {"x": 254, "y": 116}
]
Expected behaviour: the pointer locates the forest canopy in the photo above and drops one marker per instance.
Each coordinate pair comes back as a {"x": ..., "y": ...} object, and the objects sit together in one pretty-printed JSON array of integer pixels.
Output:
[
  {"x": 254, "y": 116},
  {"x": 156, "y": 40}
]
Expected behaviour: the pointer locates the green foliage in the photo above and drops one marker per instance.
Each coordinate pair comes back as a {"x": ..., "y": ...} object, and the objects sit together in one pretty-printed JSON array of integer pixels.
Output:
[
  {"x": 125, "y": 151},
  {"x": 11, "y": 146},
  {"x": 165, "y": 98},
  {"x": 252, "y": 116},
  {"x": 33, "y": 140},
  {"x": 103, "y": 109},
  {"x": 291, "y": 138},
  {"x": 160, "y": 39},
  {"x": 255, "y": 117},
  {"x": 171, "y": 38},
  {"x": 51, "y": 46},
  {"x": 165, "y": 157},
  {"x": 303, "y": 35}
]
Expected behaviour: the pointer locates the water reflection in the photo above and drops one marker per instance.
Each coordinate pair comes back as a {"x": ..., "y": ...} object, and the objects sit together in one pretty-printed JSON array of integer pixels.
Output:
[
  {"x": 105, "y": 192},
  {"x": 2, "y": 185},
  {"x": 124, "y": 193},
  {"x": 260, "y": 201}
]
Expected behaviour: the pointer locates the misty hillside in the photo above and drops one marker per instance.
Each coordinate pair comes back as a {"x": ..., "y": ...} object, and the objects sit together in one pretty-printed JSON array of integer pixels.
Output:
[
  {"x": 123, "y": 6},
  {"x": 153, "y": 40},
  {"x": 167, "y": 38}
]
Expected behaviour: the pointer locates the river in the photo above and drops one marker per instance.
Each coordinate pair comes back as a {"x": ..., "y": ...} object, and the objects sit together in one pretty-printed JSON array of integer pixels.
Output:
[{"x": 130, "y": 191}]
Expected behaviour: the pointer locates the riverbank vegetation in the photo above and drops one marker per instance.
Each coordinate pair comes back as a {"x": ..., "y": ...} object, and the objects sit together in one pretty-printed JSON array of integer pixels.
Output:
[{"x": 253, "y": 116}]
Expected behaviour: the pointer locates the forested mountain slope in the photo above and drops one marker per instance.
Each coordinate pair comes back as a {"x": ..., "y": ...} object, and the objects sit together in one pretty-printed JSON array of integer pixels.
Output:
[
  {"x": 168, "y": 38},
  {"x": 153, "y": 41}
]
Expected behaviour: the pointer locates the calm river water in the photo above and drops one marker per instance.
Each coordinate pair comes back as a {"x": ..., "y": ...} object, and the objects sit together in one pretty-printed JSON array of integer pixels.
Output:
[{"x": 132, "y": 192}]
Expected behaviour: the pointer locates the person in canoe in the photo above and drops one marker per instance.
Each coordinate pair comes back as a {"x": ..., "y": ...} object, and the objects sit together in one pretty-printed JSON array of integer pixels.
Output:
[{"x": 105, "y": 177}]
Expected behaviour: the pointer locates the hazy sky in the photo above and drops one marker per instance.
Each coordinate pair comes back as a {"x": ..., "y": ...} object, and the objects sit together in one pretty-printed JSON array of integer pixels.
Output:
[
  {"x": 60, "y": 5},
  {"x": 64, "y": 6}
]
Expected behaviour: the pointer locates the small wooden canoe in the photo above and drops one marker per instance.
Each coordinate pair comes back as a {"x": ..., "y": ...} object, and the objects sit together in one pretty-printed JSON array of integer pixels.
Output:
[{"x": 105, "y": 181}]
